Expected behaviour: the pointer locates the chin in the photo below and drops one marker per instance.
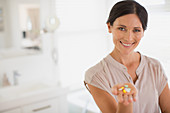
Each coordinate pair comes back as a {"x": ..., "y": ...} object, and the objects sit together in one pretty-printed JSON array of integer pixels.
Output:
[{"x": 127, "y": 52}]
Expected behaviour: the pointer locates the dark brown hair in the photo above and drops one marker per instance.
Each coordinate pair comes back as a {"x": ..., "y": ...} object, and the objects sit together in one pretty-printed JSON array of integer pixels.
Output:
[{"x": 128, "y": 7}]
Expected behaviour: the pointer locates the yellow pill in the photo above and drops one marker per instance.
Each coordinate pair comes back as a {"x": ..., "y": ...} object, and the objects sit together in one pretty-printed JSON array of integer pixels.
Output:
[
  {"x": 122, "y": 87},
  {"x": 124, "y": 91}
]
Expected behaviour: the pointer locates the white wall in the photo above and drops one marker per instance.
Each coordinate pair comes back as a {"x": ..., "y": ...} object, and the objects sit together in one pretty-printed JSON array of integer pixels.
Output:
[
  {"x": 82, "y": 40},
  {"x": 78, "y": 52}
]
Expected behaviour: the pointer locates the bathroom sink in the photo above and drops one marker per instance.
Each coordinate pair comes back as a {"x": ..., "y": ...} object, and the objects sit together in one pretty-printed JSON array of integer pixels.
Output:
[
  {"x": 24, "y": 95},
  {"x": 12, "y": 92}
]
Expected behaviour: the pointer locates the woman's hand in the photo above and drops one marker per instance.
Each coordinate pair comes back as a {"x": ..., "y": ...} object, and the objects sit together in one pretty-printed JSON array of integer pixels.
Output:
[{"x": 126, "y": 93}]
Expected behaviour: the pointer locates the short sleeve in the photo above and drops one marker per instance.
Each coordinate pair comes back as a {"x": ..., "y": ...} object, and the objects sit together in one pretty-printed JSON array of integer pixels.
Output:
[
  {"x": 98, "y": 78},
  {"x": 161, "y": 79}
]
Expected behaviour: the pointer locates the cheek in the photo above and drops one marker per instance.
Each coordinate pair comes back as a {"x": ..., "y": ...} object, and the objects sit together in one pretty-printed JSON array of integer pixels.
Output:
[
  {"x": 117, "y": 35},
  {"x": 138, "y": 37}
]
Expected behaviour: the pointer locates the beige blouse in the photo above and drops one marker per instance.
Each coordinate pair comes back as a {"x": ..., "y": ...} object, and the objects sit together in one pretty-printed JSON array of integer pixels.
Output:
[{"x": 150, "y": 83}]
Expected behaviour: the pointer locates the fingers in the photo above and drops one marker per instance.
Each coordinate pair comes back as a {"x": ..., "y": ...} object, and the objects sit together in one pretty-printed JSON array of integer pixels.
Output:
[
  {"x": 124, "y": 98},
  {"x": 120, "y": 98},
  {"x": 130, "y": 98},
  {"x": 126, "y": 102},
  {"x": 126, "y": 93},
  {"x": 134, "y": 97},
  {"x": 134, "y": 94},
  {"x": 115, "y": 89}
]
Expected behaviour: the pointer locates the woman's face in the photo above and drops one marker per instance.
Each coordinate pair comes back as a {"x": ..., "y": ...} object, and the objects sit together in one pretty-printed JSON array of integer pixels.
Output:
[{"x": 127, "y": 32}]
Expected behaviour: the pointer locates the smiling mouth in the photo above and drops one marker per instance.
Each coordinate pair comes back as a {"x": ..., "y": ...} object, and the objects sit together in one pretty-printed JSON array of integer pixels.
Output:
[{"x": 126, "y": 45}]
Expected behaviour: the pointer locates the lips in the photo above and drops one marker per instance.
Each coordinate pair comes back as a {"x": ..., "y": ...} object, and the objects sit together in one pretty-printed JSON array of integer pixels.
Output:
[{"x": 126, "y": 44}]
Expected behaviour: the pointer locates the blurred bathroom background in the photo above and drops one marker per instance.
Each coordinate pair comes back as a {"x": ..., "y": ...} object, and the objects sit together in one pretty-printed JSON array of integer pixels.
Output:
[{"x": 47, "y": 45}]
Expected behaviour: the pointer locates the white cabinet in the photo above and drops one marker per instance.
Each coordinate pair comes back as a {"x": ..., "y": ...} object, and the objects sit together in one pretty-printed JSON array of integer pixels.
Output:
[
  {"x": 50, "y": 100},
  {"x": 16, "y": 110},
  {"x": 48, "y": 106},
  {"x": 53, "y": 105}
]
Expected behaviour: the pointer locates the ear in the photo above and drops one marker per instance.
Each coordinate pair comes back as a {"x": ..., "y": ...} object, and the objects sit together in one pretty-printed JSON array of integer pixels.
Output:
[{"x": 109, "y": 27}]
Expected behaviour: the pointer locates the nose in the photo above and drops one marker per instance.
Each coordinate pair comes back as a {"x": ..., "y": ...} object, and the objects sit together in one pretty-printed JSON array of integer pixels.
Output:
[{"x": 129, "y": 36}]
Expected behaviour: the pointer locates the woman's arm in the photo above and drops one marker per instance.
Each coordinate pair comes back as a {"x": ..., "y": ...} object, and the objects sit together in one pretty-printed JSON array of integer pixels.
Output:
[
  {"x": 107, "y": 103},
  {"x": 164, "y": 100}
]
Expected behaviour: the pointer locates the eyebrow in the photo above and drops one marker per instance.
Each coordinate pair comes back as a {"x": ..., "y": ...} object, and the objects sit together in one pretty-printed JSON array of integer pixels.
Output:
[
  {"x": 121, "y": 25},
  {"x": 125, "y": 26}
]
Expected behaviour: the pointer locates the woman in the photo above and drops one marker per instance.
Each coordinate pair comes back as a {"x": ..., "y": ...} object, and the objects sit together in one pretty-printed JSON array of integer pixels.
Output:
[{"x": 126, "y": 81}]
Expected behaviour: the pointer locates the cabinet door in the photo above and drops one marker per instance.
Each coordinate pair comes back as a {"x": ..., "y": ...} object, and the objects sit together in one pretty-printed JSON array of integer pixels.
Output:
[
  {"x": 17, "y": 110},
  {"x": 48, "y": 106}
]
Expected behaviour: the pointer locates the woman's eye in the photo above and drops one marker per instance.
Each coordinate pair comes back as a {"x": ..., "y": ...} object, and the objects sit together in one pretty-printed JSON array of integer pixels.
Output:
[
  {"x": 136, "y": 30},
  {"x": 122, "y": 29}
]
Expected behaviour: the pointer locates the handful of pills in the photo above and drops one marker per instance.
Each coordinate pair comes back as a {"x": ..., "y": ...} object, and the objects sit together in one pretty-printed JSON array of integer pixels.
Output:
[{"x": 125, "y": 89}]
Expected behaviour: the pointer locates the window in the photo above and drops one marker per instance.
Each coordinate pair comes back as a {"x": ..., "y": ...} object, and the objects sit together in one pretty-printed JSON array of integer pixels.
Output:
[
  {"x": 80, "y": 15},
  {"x": 81, "y": 38},
  {"x": 152, "y": 2}
]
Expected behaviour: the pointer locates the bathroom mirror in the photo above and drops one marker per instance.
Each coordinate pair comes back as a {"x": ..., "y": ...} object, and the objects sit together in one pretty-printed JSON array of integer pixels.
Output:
[{"x": 19, "y": 28}]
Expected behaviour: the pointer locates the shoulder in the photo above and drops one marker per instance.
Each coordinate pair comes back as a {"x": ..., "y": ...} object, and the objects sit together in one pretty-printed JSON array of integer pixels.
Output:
[
  {"x": 151, "y": 61},
  {"x": 155, "y": 66},
  {"x": 92, "y": 71},
  {"x": 97, "y": 76}
]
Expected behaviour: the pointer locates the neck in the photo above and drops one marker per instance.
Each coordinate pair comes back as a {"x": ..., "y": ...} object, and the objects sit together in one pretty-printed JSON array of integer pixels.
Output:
[{"x": 125, "y": 59}]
